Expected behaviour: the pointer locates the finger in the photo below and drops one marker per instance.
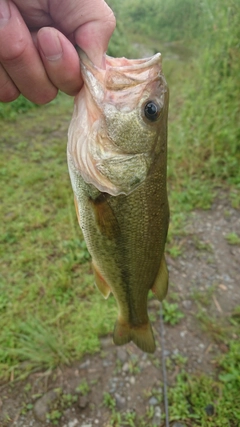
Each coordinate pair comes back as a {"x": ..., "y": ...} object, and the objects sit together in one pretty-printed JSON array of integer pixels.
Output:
[
  {"x": 8, "y": 90},
  {"x": 93, "y": 38},
  {"x": 21, "y": 60},
  {"x": 92, "y": 24},
  {"x": 60, "y": 60}
]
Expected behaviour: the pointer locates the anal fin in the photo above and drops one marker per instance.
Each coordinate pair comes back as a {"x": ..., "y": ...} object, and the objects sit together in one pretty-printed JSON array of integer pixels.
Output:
[
  {"x": 160, "y": 286},
  {"x": 101, "y": 283}
]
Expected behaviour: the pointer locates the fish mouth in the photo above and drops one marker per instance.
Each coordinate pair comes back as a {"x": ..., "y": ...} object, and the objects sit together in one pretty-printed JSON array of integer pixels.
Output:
[
  {"x": 123, "y": 63},
  {"x": 120, "y": 72}
]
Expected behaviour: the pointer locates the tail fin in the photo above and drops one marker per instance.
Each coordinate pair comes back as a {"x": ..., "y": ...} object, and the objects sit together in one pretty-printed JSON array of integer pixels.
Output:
[{"x": 142, "y": 336}]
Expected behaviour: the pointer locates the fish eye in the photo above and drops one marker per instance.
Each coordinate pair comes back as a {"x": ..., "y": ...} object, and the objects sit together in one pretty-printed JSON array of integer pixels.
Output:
[{"x": 152, "y": 111}]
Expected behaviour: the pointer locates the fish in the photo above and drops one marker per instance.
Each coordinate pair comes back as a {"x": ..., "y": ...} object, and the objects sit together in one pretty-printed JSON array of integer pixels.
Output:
[{"x": 117, "y": 160}]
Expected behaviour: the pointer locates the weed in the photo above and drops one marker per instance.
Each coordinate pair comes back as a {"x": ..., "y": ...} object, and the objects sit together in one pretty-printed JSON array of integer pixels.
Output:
[
  {"x": 116, "y": 419},
  {"x": 109, "y": 401},
  {"x": 212, "y": 326},
  {"x": 54, "y": 416},
  {"x": 150, "y": 412},
  {"x": 230, "y": 363},
  {"x": 232, "y": 239},
  {"x": 235, "y": 197},
  {"x": 129, "y": 419},
  {"x": 201, "y": 245},
  {"x": 26, "y": 407},
  {"x": 235, "y": 316},
  {"x": 171, "y": 313},
  {"x": 179, "y": 360},
  {"x": 83, "y": 388},
  {"x": 204, "y": 297},
  {"x": 68, "y": 399},
  {"x": 175, "y": 251},
  {"x": 134, "y": 367}
]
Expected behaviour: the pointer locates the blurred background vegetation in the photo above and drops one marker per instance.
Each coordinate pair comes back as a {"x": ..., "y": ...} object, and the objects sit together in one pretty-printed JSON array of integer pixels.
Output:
[{"x": 45, "y": 271}]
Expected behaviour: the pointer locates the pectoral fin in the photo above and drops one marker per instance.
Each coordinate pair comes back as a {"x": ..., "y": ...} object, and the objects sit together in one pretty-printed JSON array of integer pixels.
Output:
[
  {"x": 77, "y": 211},
  {"x": 105, "y": 217},
  {"x": 101, "y": 283},
  {"x": 160, "y": 286}
]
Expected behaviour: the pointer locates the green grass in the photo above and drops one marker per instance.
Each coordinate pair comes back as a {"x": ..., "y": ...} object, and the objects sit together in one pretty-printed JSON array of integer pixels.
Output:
[
  {"x": 233, "y": 239},
  {"x": 50, "y": 310},
  {"x": 193, "y": 397}
]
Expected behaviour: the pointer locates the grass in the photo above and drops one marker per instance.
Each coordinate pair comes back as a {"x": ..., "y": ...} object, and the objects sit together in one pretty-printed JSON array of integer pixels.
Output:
[
  {"x": 45, "y": 267},
  {"x": 209, "y": 401}
]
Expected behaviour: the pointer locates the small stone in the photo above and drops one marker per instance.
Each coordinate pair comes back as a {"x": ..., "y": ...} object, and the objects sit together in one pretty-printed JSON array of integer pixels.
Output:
[
  {"x": 73, "y": 423},
  {"x": 187, "y": 304},
  {"x": 41, "y": 406},
  {"x": 122, "y": 355},
  {"x": 86, "y": 425},
  {"x": 178, "y": 424},
  {"x": 153, "y": 401},
  {"x": 120, "y": 401},
  {"x": 157, "y": 415},
  {"x": 83, "y": 402},
  {"x": 125, "y": 367},
  {"x": 85, "y": 365},
  {"x": 106, "y": 342},
  {"x": 132, "y": 380},
  {"x": 183, "y": 333},
  {"x": 134, "y": 358}
]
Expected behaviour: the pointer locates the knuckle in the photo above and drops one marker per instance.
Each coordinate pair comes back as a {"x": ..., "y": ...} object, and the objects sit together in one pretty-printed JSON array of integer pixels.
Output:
[{"x": 14, "y": 53}]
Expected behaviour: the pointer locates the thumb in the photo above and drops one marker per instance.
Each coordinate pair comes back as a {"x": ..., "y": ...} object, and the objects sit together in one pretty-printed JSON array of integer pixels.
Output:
[{"x": 93, "y": 37}]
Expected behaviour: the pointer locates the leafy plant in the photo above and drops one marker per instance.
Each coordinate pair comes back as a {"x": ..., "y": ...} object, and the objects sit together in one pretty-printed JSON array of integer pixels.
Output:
[
  {"x": 233, "y": 239},
  {"x": 109, "y": 401},
  {"x": 83, "y": 388},
  {"x": 171, "y": 313}
]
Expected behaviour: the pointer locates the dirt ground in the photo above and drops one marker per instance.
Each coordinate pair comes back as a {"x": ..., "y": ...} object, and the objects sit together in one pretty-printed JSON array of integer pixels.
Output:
[{"x": 208, "y": 268}]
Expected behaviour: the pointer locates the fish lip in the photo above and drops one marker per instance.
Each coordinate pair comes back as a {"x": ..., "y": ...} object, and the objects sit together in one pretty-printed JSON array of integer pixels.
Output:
[{"x": 130, "y": 64}]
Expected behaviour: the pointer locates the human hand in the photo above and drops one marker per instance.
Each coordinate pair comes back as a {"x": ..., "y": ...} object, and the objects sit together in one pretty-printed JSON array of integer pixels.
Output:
[{"x": 37, "y": 38}]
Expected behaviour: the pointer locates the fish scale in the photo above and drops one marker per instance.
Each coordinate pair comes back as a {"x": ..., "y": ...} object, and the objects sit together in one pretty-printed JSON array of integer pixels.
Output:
[{"x": 120, "y": 187}]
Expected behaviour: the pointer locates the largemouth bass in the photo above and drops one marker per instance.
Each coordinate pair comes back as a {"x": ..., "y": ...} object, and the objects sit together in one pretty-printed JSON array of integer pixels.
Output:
[{"x": 117, "y": 158}]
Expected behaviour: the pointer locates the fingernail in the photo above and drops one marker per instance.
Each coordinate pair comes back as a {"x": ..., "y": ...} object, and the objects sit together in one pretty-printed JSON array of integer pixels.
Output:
[
  {"x": 4, "y": 12},
  {"x": 50, "y": 44}
]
